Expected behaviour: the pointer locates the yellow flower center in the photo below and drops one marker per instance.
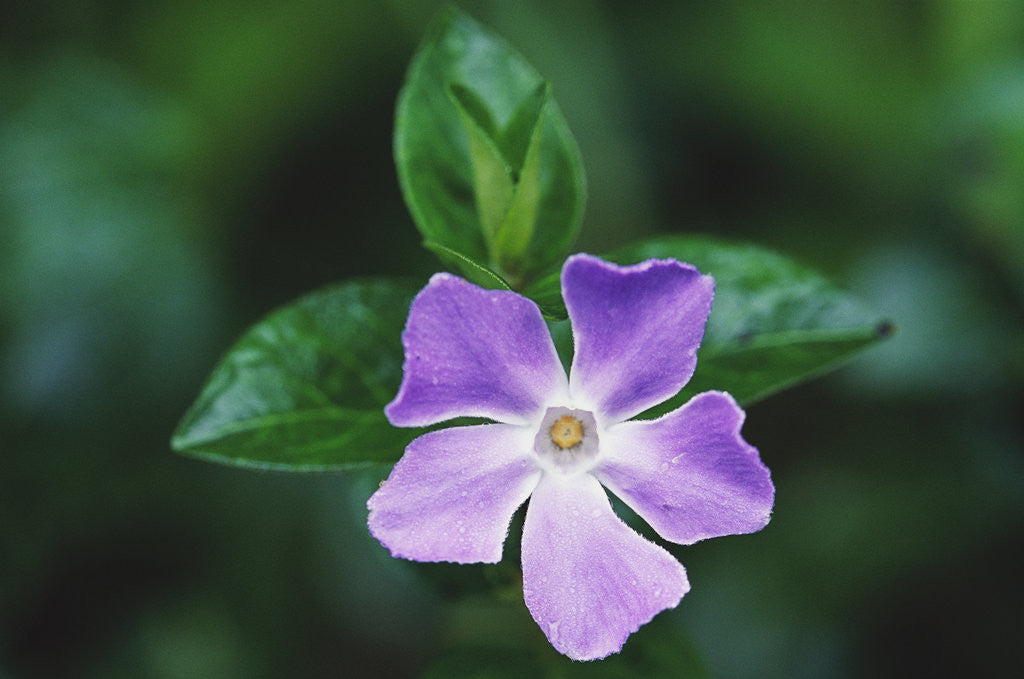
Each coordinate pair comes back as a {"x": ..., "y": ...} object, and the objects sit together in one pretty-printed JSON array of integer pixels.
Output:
[{"x": 566, "y": 432}]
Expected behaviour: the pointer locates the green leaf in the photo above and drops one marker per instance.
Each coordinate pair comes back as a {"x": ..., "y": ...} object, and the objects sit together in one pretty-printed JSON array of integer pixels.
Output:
[
  {"x": 550, "y": 302},
  {"x": 493, "y": 181},
  {"x": 546, "y": 291},
  {"x": 774, "y": 323},
  {"x": 520, "y": 134},
  {"x": 513, "y": 238},
  {"x": 475, "y": 111},
  {"x": 473, "y": 271},
  {"x": 469, "y": 116},
  {"x": 304, "y": 389}
]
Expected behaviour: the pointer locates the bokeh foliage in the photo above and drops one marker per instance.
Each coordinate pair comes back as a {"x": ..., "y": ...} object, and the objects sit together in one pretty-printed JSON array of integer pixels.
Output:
[{"x": 171, "y": 172}]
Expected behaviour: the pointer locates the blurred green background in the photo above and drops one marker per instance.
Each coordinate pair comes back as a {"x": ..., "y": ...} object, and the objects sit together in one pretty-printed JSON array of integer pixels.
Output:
[{"x": 169, "y": 172}]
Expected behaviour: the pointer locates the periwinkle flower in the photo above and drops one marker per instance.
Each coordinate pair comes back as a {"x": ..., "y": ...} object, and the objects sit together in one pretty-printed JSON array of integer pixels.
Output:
[{"x": 588, "y": 579}]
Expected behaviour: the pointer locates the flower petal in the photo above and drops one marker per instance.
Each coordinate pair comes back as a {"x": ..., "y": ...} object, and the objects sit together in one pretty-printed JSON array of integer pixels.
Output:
[
  {"x": 475, "y": 353},
  {"x": 636, "y": 330},
  {"x": 689, "y": 474},
  {"x": 588, "y": 579},
  {"x": 452, "y": 495}
]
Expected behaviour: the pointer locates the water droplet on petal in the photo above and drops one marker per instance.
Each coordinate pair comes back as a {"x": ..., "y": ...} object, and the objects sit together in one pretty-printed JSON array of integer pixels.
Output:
[{"x": 664, "y": 466}]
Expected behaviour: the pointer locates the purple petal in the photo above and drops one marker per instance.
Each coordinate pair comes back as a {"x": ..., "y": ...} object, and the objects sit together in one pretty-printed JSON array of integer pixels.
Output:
[
  {"x": 636, "y": 331},
  {"x": 476, "y": 353},
  {"x": 588, "y": 579},
  {"x": 452, "y": 495},
  {"x": 689, "y": 474}
]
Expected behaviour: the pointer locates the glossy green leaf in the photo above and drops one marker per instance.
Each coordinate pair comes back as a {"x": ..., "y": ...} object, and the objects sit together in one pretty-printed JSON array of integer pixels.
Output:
[
  {"x": 774, "y": 323},
  {"x": 474, "y": 272},
  {"x": 512, "y": 242},
  {"x": 469, "y": 115},
  {"x": 546, "y": 291},
  {"x": 304, "y": 389},
  {"x": 522, "y": 130},
  {"x": 493, "y": 180}
]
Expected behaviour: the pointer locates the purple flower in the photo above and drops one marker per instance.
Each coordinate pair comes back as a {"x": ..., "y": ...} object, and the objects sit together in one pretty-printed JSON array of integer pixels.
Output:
[{"x": 588, "y": 579}]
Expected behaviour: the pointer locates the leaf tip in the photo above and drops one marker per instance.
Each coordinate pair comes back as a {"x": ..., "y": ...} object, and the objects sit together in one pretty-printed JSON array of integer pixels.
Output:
[{"x": 179, "y": 439}]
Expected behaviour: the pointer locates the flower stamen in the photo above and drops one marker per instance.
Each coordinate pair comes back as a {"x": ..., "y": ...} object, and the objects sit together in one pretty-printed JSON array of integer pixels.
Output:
[{"x": 566, "y": 432}]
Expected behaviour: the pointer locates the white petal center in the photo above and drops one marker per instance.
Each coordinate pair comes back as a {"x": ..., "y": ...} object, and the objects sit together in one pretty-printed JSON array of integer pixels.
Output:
[{"x": 567, "y": 440}]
